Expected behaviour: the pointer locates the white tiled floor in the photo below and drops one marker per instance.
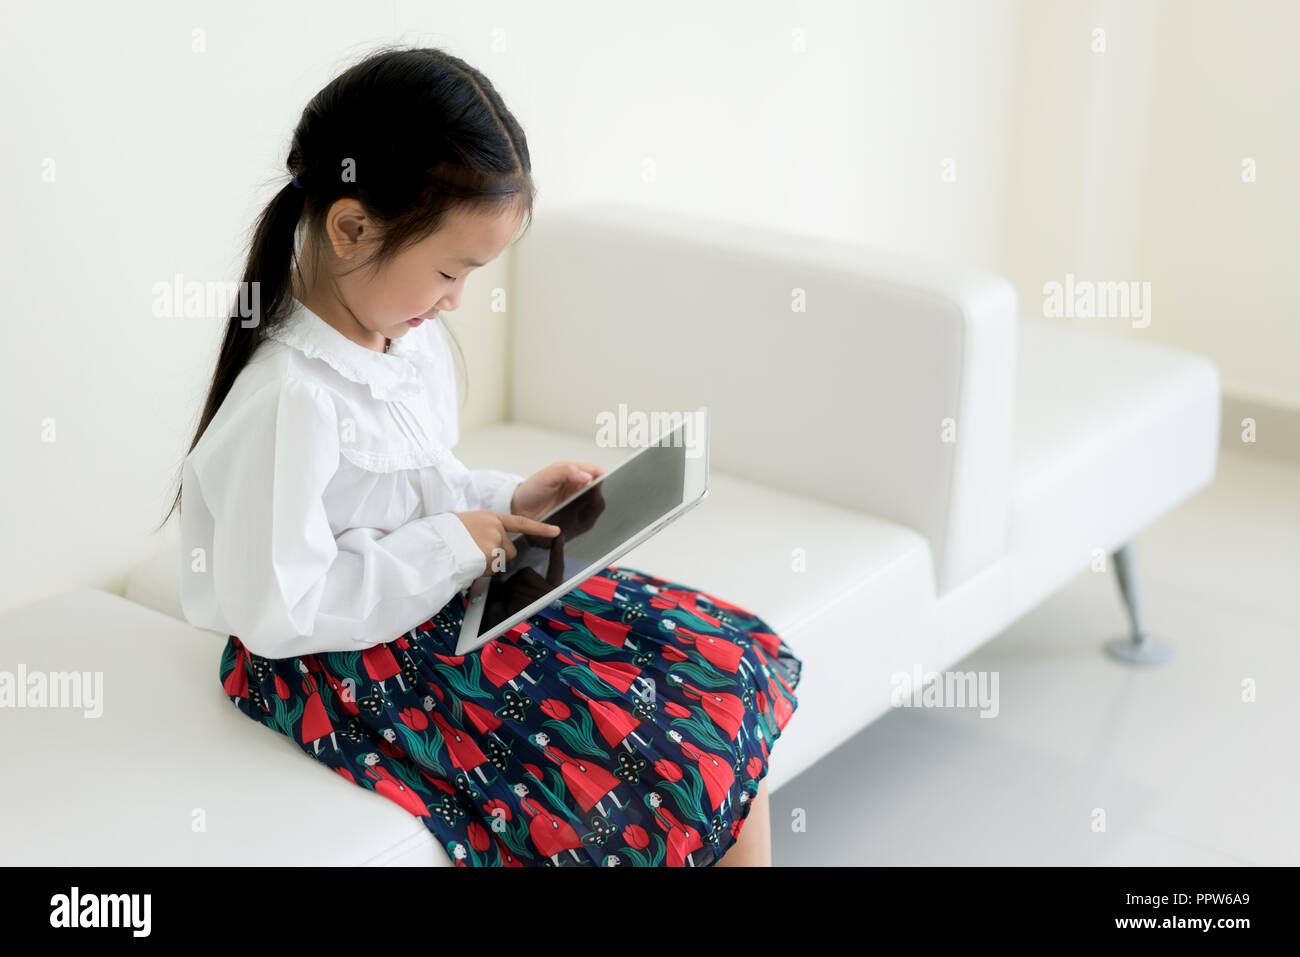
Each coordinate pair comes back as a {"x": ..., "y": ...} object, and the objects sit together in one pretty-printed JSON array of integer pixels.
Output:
[{"x": 1186, "y": 772}]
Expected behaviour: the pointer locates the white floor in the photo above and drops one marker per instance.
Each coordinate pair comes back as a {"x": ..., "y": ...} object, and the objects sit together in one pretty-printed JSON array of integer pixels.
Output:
[{"x": 1185, "y": 770}]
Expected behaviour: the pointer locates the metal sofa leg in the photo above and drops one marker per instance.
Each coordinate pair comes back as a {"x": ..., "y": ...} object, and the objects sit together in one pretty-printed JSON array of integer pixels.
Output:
[{"x": 1137, "y": 647}]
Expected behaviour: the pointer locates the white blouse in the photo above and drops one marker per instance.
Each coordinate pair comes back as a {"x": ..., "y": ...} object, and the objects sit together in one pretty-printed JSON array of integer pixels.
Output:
[{"x": 317, "y": 508}]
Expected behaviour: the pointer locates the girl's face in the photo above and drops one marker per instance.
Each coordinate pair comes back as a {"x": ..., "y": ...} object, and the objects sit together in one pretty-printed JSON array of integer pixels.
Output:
[{"x": 425, "y": 279}]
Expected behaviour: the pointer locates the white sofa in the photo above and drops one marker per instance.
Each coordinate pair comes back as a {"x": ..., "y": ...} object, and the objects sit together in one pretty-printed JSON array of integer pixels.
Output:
[{"x": 831, "y": 431}]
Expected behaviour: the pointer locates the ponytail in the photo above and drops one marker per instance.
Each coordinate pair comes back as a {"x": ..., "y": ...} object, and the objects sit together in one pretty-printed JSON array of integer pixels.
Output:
[{"x": 268, "y": 270}]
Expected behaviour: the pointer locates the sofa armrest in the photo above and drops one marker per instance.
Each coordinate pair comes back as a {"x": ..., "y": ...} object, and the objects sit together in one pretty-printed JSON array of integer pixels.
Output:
[{"x": 864, "y": 378}]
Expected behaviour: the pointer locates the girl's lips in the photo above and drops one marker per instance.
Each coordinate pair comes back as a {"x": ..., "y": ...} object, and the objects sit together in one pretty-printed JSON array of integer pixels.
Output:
[{"x": 414, "y": 322}]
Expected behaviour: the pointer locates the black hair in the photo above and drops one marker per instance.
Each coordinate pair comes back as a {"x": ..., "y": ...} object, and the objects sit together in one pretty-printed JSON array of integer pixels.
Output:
[{"x": 413, "y": 135}]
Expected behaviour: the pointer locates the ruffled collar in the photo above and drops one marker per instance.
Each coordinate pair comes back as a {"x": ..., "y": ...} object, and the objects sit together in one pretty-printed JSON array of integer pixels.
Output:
[{"x": 396, "y": 374}]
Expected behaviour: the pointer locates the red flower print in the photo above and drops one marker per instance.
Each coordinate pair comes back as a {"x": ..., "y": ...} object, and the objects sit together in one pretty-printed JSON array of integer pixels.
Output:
[
  {"x": 676, "y": 710},
  {"x": 281, "y": 688},
  {"x": 347, "y": 774},
  {"x": 667, "y": 769},
  {"x": 658, "y": 602},
  {"x": 535, "y": 771},
  {"x": 635, "y": 836},
  {"x": 672, "y": 654},
  {"x": 478, "y": 837},
  {"x": 414, "y": 718},
  {"x": 438, "y": 783},
  {"x": 754, "y": 767},
  {"x": 555, "y": 709},
  {"x": 494, "y": 805},
  {"x": 761, "y": 699}
]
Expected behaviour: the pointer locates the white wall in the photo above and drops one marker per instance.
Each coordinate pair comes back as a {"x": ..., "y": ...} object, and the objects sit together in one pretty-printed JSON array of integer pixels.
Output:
[
  {"x": 833, "y": 118},
  {"x": 1128, "y": 167},
  {"x": 164, "y": 155},
  {"x": 1227, "y": 253}
]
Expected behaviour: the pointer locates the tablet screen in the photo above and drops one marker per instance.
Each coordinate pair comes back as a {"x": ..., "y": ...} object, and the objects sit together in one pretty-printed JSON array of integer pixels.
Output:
[{"x": 623, "y": 502}]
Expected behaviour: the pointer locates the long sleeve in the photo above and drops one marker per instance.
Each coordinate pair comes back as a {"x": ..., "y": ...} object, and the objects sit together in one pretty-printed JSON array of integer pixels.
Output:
[
  {"x": 494, "y": 489},
  {"x": 260, "y": 560}
]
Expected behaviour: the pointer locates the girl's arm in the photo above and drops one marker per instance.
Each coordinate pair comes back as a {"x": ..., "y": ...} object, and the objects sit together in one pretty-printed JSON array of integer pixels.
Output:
[{"x": 259, "y": 558}]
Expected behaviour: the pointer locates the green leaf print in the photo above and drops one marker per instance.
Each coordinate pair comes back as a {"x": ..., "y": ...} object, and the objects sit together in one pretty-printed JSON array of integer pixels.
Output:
[
  {"x": 702, "y": 732},
  {"x": 556, "y": 787},
  {"x": 690, "y": 798},
  {"x": 644, "y": 857},
  {"x": 347, "y": 667},
  {"x": 580, "y": 600},
  {"x": 228, "y": 656},
  {"x": 282, "y": 717},
  {"x": 584, "y": 679},
  {"x": 463, "y": 682},
  {"x": 634, "y": 857},
  {"x": 579, "y": 738},
  {"x": 513, "y": 834},
  {"x": 581, "y": 640},
  {"x": 408, "y": 775},
  {"x": 683, "y": 617},
  {"x": 422, "y": 750},
  {"x": 703, "y": 674}
]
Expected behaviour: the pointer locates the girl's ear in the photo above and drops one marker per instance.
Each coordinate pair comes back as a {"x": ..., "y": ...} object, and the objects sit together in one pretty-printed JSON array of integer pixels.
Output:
[{"x": 347, "y": 227}]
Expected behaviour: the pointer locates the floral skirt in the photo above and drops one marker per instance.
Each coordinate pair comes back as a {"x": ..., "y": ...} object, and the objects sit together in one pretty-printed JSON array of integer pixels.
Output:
[{"x": 628, "y": 723}]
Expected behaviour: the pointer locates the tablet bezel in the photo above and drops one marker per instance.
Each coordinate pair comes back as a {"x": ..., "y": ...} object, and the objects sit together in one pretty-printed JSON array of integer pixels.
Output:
[{"x": 695, "y": 489}]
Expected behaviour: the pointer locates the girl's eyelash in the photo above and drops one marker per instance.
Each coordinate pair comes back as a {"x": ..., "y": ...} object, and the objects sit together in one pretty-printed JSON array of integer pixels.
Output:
[{"x": 445, "y": 276}]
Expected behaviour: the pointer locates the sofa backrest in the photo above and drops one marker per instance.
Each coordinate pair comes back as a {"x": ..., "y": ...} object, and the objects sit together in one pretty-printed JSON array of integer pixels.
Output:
[{"x": 863, "y": 378}]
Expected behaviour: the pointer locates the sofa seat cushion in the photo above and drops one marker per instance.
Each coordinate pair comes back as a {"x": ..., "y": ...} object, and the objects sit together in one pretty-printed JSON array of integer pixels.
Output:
[
  {"x": 168, "y": 749},
  {"x": 1109, "y": 434}
]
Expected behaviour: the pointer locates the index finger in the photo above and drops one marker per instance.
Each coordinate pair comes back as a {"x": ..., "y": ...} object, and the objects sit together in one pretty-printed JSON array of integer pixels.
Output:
[
  {"x": 555, "y": 567},
  {"x": 521, "y": 523}
]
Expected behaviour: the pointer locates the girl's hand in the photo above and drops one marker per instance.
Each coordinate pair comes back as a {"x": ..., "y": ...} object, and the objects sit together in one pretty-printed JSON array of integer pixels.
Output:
[
  {"x": 491, "y": 533},
  {"x": 540, "y": 493}
]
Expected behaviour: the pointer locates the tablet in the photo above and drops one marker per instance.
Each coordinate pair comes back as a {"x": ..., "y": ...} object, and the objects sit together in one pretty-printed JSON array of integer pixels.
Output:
[{"x": 608, "y": 517}]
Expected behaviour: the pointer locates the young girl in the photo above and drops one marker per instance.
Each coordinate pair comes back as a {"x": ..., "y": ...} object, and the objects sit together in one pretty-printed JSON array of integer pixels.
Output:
[{"x": 328, "y": 529}]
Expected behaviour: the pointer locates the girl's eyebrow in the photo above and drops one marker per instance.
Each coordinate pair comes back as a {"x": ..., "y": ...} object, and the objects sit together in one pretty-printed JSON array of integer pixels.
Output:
[{"x": 469, "y": 262}]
